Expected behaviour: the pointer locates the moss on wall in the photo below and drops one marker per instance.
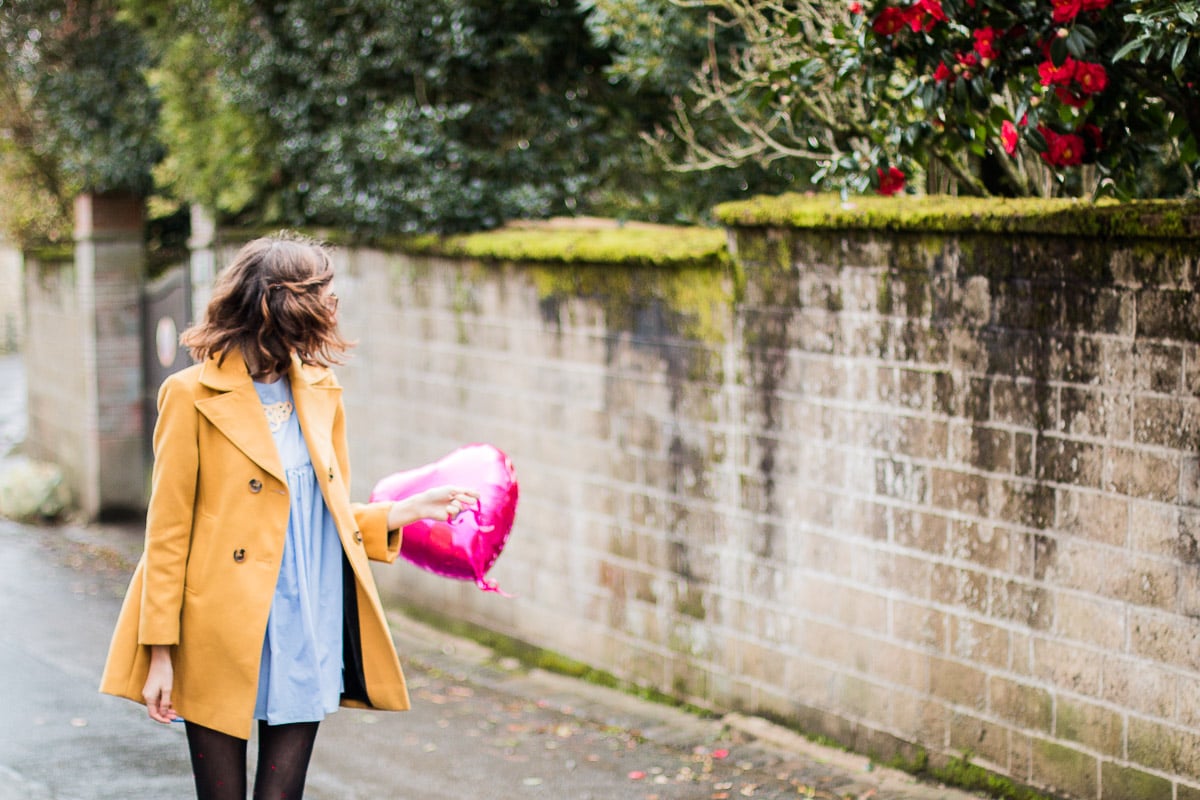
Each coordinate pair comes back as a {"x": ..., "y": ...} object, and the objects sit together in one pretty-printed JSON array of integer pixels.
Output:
[
  {"x": 52, "y": 253},
  {"x": 640, "y": 245},
  {"x": 1077, "y": 218}
]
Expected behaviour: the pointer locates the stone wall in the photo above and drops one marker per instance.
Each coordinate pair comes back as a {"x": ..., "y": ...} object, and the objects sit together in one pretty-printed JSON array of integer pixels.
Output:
[
  {"x": 925, "y": 492},
  {"x": 917, "y": 492},
  {"x": 58, "y": 401},
  {"x": 12, "y": 298},
  {"x": 83, "y": 357}
]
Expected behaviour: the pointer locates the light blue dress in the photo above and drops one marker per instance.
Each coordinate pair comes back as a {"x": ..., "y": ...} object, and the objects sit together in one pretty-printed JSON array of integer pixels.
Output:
[{"x": 300, "y": 679}]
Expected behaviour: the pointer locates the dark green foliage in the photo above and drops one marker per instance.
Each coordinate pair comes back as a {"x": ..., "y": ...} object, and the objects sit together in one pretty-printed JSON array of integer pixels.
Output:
[
  {"x": 393, "y": 117},
  {"x": 422, "y": 115},
  {"x": 76, "y": 114}
]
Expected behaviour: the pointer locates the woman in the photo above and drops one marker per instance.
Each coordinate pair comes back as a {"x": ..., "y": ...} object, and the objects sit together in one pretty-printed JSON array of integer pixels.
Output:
[{"x": 253, "y": 599}]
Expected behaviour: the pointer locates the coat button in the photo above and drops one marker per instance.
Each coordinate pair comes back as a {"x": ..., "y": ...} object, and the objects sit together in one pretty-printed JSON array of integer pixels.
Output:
[
  {"x": 358, "y": 536},
  {"x": 331, "y": 473},
  {"x": 255, "y": 485},
  {"x": 239, "y": 555}
]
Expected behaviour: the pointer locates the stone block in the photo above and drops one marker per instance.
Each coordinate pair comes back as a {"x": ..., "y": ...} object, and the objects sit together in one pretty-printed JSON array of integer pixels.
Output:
[
  {"x": 1119, "y": 782},
  {"x": 1094, "y": 516},
  {"x": 1189, "y": 480},
  {"x": 979, "y": 642},
  {"x": 1166, "y": 748},
  {"x": 1188, "y": 704},
  {"x": 980, "y": 543},
  {"x": 958, "y": 682},
  {"x": 1092, "y": 412},
  {"x": 1139, "y": 686},
  {"x": 863, "y": 698},
  {"x": 1027, "y": 706},
  {"x": 959, "y": 492},
  {"x": 1026, "y": 603},
  {"x": 1093, "y": 621},
  {"x": 1172, "y": 422},
  {"x": 917, "y": 719},
  {"x": 984, "y": 448},
  {"x": 1168, "y": 314},
  {"x": 1021, "y": 502},
  {"x": 1016, "y": 402},
  {"x": 1075, "y": 358},
  {"x": 919, "y": 530},
  {"x": 959, "y": 587},
  {"x": 983, "y": 738},
  {"x": 919, "y": 625},
  {"x": 1065, "y": 770},
  {"x": 1093, "y": 726},
  {"x": 1109, "y": 311},
  {"x": 1142, "y": 474},
  {"x": 1071, "y": 462},
  {"x": 900, "y": 666}
]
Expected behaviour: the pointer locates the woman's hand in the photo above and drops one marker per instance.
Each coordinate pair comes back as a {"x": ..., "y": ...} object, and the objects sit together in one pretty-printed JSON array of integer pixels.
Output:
[
  {"x": 440, "y": 502},
  {"x": 157, "y": 691}
]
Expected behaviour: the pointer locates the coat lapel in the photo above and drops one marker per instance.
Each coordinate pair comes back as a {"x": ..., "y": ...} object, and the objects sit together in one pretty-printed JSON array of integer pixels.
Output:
[
  {"x": 237, "y": 412},
  {"x": 316, "y": 404}
]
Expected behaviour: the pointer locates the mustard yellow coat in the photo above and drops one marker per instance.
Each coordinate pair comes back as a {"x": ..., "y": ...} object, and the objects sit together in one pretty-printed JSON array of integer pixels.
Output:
[{"x": 215, "y": 529}]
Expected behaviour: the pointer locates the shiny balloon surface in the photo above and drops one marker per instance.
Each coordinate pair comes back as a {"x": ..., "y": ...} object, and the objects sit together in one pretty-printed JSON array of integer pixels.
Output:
[{"x": 467, "y": 546}]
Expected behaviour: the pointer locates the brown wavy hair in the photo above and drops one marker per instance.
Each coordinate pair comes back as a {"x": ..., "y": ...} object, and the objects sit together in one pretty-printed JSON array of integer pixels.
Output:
[{"x": 269, "y": 303}]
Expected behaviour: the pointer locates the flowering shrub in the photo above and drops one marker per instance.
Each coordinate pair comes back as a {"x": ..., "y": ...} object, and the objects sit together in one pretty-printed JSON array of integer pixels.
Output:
[{"x": 1102, "y": 91}]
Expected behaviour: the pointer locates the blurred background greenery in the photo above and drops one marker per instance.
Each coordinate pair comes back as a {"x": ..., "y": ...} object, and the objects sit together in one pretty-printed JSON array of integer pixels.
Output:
[{"x": 399, "y": 116}]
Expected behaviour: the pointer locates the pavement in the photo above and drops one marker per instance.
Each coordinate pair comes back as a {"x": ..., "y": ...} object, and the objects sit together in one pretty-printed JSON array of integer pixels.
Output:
[{"x": 482, "y": 726}]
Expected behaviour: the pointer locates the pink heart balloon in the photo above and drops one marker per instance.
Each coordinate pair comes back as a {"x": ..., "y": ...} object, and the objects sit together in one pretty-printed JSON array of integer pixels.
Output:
[{"x": 466, "y": 547}]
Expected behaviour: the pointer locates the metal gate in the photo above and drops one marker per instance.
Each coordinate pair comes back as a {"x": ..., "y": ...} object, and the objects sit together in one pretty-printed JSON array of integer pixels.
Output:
[{"x": 166, "y": 312}]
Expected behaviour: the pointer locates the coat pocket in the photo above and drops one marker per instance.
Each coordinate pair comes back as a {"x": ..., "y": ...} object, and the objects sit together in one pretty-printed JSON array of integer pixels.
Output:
[{"x": 202, "y": 553}]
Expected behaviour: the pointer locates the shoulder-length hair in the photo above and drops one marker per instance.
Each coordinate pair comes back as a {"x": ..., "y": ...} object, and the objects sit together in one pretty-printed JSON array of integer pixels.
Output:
[{"x": 270, "y": 302}]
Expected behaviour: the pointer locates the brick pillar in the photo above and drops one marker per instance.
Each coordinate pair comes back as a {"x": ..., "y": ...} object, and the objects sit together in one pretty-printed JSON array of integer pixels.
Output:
[{"x": 109, "y": 266}]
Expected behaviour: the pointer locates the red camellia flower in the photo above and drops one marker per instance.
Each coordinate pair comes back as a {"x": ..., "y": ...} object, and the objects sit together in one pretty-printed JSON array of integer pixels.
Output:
[
  {"x": 891, "y": 181},
  {"x": 1008, "y": 136},
  {"x": 1052, "y": 75},
  {"x": 943, "y": 73},
  {"x": 889, "y": 21},
  {"x": 856, "y": 7},
  {"x": 1066, "y": 10},
  {"x": 926, "y": 13},
  {"x": 1062, "y": 149},
  {"x": 1092, "y": 78},
  {"x": 985, "y": 42}
]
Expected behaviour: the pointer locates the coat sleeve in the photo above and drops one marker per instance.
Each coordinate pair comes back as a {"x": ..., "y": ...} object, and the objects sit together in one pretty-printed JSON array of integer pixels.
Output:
[
  {"x": 379, "y": 543},
  {"x": 169, "y": 517}
]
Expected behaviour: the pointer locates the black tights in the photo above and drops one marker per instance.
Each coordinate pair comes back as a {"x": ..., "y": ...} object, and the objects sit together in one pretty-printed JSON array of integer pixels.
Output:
[{"x": 219, "y": 761}]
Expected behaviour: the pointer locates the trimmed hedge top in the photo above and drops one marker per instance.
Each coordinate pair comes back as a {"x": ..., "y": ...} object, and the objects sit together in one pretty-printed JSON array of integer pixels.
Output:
[
  {"x": 1150, "y": 218},
  {"x": 568, "y": 243}
]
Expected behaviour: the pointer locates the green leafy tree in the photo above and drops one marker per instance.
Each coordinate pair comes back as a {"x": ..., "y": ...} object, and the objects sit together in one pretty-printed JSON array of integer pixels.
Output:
[
  {"x": 76, "y": 115},
  {"x": 1035, "y": 97},
  {"x": 381, "y": 116}
]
